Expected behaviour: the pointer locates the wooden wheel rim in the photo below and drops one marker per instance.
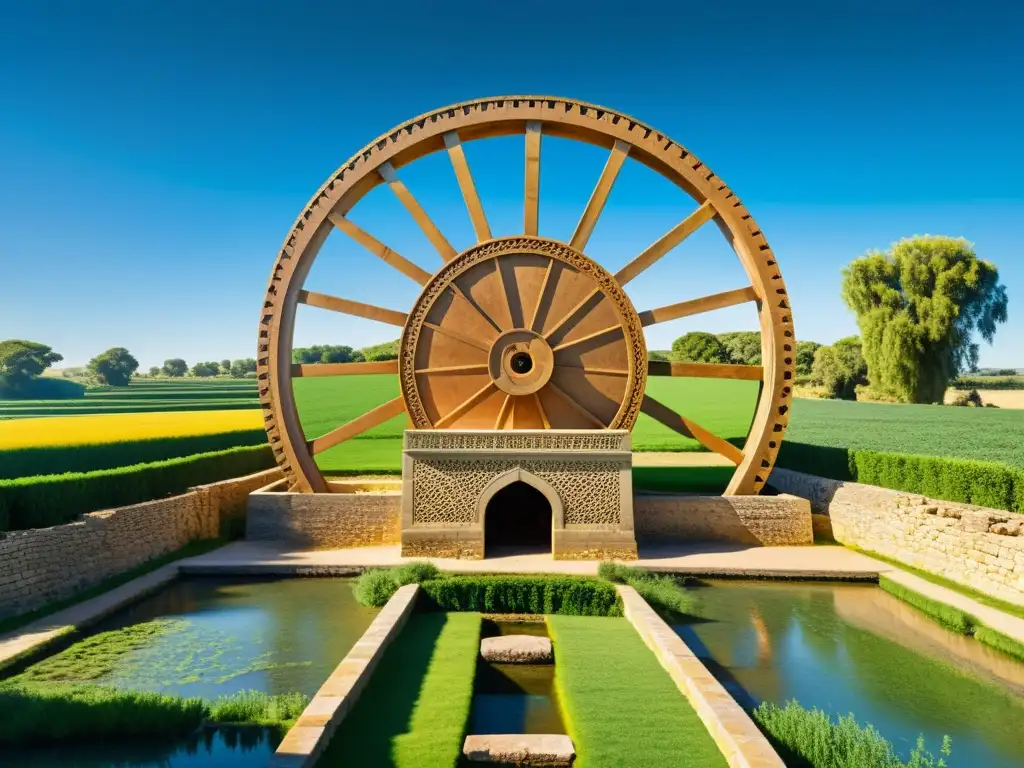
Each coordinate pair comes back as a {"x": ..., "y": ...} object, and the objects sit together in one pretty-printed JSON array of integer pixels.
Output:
[
  {"x": 529, "y": 115},
  {"x": 511, "y": 340}
]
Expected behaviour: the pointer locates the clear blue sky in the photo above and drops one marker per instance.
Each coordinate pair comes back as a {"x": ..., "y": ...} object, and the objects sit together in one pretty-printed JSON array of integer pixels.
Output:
[{"x": 153, "y": 156}]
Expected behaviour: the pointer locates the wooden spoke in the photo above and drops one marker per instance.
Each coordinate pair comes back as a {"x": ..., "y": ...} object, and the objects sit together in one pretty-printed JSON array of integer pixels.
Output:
[
  {"x": 369, "y": 311},
  {"x": 476, "y": 307},
  {"x": 480, "y": 368},
  {"x": 378, "y": 249},
  {"x": 306, "y": 370},
  {"x": 571, "y": 313},
  {"x": 465, "y": 405},
  {"x": 457, "y": 336},
  {"x": 600, "y": 195},
  {"x": 687, "y": 428},
  {"x": 532, "y": 207},
  {"x": 503, "y": 414},
  {"x": 696, "y": 306},
  {"x": 465, "y": 179},
  {"x": 387, "y": 172},
  {"x": 576, "y": 406},
  {"x": 370, "y": 419},
  {"x": 588, "y": 337},
  {"x": 540, "y": 297},
  {"x": 541, "y": 411},
  {"x": 705, "y": 370},
  {"x": 599, "y": 371},
  {"x": 674, "y": 237}
]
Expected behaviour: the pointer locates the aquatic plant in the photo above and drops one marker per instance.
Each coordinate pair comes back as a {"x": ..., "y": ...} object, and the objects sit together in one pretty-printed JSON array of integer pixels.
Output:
[
  {"x": 258, "y": 708},
  {"x": 810, "y": 739}
]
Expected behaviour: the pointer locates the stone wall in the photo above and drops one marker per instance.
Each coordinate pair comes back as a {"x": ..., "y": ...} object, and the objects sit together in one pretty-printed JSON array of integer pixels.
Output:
[
  {"x": 324, "y": 520},
  {"x": 45, "y": 564},
  {"x": 978, "y": 547},
  {"x": 756, "y": 520}
]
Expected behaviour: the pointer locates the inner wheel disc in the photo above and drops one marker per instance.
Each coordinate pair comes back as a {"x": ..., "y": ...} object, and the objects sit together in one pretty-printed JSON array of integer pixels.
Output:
[{"x": 523, "y": 333}]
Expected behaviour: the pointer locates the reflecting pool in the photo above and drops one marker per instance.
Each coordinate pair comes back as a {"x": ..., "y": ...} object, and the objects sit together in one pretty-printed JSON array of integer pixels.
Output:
[{"x": 855, "y": 648}]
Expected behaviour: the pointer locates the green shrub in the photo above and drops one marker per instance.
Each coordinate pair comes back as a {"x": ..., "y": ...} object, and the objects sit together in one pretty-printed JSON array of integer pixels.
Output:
[
  {"x": 55, "y": 460},
  {"x": 45, "y": 500},
  {"x": 661, "y": 591},
  {"x": 258, "y": 708},
  {"x": 810, "y": 739},
  {"x": 375, "y": 587},
  {"x": 414, "y": 573},
  {"x": 43, "y": 388},
  {"x": 988, "y": 382},
  {"x": 522, "y": 594}
]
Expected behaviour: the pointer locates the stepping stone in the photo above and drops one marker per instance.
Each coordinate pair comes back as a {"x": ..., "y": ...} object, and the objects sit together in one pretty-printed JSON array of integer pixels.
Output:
[
  {"x": 547, "y": 749},
  {"x": 516, "y": 649}
]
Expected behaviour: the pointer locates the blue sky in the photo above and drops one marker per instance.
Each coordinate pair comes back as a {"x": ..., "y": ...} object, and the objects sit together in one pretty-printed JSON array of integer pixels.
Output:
[{"x": 153, "y": 157}]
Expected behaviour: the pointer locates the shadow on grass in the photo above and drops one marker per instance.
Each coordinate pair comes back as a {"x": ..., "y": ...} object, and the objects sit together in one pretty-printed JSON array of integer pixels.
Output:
[
  {"x": 704, "y": 480},
  {"x": 384, "y": 711}
]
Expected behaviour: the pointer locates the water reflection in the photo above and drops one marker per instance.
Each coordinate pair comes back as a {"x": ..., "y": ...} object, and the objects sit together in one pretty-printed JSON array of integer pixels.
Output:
[{"x": 855, "y": 648}]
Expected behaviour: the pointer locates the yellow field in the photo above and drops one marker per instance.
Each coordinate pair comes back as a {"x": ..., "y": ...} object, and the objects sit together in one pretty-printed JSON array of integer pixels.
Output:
[
  {"x": 1002, "y": 398},
  {"x": 115, "y": 427}
]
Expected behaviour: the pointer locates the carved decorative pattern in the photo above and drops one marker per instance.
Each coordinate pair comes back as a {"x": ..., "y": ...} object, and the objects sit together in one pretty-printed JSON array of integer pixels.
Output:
[
  {"x": 495, "y": 117},
  {"x": 441, "y": 440},
  {"x": 446, "y": 491}
]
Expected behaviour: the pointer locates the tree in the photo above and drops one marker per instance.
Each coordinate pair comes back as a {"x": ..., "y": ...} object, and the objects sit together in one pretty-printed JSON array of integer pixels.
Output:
[
  {"x": 805, "y": 356},
  {"x": 918, "y": 306},
  {"x": 22, "y": 360},
  {"x": 379, "y": 352},
  {"x": 658, "y": 354},
  {"x": 306, "y": 355},
  {"x": 205, "y": 370},
  {"x": 699, "y": 347},
  {"x": 840, "y": 368},
  {"x": 241, "y": 367},
  {"x": 336, "y": 355},
  {"x": 225, "y": 366},
  {"x": 114, "y": 367},
  {"x": 175, "y": 367},
  {"x": 154, "y": 371},
  {"x": 744, "y": 347}
]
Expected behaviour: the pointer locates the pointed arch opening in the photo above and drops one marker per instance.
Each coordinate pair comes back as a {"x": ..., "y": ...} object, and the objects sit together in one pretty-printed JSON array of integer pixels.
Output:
[{"x": 519, "y": 512}]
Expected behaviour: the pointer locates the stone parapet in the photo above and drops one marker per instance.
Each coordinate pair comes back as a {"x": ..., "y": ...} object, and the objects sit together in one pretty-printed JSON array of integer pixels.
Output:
[
  {"x": 782, "y": 520},
  {"x": 974, "y": 546},
  {"x": 324, "y": 520}
]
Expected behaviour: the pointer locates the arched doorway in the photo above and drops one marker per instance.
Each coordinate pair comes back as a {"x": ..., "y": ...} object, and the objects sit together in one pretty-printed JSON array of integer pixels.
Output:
[{"x": 517, "y": 520}]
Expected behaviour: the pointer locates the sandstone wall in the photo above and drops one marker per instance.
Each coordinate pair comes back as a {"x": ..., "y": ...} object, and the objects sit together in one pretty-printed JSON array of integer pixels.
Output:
[
  {"x": 978, "y": 547},
  {"x": 324, "y": 520},
  {"x": 756, "y": 520},
  {"x": 45, "y": 564}
]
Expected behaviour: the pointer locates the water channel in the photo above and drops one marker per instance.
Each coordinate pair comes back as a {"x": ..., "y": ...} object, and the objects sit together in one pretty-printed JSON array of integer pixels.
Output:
[{"x": 855, "y": 648}]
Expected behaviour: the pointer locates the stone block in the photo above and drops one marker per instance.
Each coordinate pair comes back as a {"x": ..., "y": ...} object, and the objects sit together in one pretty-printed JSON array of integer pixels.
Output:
[
  {"x": 517, "y": 649},
  {"x": 520, "y": 749}
]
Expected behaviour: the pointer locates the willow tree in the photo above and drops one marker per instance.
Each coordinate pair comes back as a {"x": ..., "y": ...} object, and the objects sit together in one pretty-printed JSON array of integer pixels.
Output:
[{"x": 918, "y": 306}]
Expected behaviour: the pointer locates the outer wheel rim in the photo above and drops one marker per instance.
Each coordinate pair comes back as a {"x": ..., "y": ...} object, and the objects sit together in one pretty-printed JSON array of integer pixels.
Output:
[{"x": 504, "y": 116}]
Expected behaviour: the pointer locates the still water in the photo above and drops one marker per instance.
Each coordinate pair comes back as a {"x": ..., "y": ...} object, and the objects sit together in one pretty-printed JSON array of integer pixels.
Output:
[
  {"x": 855, "y": 648},
  {"x": 224, "y": 636}
]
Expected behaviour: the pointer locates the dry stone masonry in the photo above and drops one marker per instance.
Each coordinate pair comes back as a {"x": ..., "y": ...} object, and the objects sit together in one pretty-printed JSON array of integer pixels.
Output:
[
  {"x": 516, "y": 649},
  {"x": 974, "y": 546}
]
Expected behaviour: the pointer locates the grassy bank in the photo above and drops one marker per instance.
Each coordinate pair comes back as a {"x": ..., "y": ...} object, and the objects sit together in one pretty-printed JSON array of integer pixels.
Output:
[
  {"x": 414, "y": 711},
  {"x": 603, "y": 666}
]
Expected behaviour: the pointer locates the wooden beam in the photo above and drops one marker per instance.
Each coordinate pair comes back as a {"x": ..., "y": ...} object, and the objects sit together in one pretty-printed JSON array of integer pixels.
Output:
[
  {"x": 468, "y": 187},
  {"x": 305, "y": 370},
  {"x": 465, "y": 406},
  {"x": 378, "y": 249},
  {"x": 687, "y": 428},
  {"x": 457, "y": 336},
  {"x": 588, "y": 337},
  {"x": 368, "y": 420},
  {"x": 705, "y": 370},
  {"x": 599, "y": 197},
  {"x": 369, "y": 311},
  {"x": 667, "y": 242},
  {"x": 531, "y": 213},
  {"x": 576, "y": 406},
  {"x": 697, "y": 306},
  {"x": 387, "y": 172}
]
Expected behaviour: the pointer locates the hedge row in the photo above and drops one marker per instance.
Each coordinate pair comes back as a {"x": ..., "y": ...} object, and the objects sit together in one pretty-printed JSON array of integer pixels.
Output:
[
  {"x": 45, "y": 500},
  {"x": 522, "y": 594},
  {"x": 988, "y": 382},
  {"x": 984, "y": 483},
  {"x": 56, "y": 460}
]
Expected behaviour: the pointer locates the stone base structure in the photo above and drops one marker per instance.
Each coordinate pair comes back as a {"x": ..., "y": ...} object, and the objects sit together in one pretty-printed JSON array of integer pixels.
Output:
[
  {"x": 974, "y": 546},
  {"x": 770, "y": 521},
  {"x": 449, "y": 478}
]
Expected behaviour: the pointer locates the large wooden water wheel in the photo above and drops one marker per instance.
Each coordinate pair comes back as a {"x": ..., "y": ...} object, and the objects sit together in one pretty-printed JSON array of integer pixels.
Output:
[{"x": 523, "y": 332}]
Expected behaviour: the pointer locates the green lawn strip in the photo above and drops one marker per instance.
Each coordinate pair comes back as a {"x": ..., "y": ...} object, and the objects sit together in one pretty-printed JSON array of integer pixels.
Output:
[
  {"x": 621, "y": 707},
  {"x": 414, "y": 711},
  {"x": 981, "y": 597},
  {"x": 189, "y": 550},
  {"x": 954, "y": 618}
]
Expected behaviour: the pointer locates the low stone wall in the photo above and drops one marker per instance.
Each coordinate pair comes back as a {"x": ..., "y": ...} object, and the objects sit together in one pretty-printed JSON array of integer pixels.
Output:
[
  {"x": 782, "y": 520},
  {"x": 978, "y": 547},
  {"x": 44, "y": 564},
  {"x": 324, "y": 520}
]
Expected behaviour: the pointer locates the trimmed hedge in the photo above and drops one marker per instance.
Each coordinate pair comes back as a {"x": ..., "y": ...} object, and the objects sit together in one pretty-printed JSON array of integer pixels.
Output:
[
  {"x": 984, "y": 483},
  {"x": 522, "y": 594},
  {"x": 54, "y": 460},
  {"x": 988, "y": 382},
  {"x": 45, "y": 500}
]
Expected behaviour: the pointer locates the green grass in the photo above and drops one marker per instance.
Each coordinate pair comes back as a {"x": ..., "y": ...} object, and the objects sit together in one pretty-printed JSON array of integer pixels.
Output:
[
  {"x": 414, "y": 711},
  {"x": 191, "y": 549},
  {"x": 811, "y": 739},
  {"x": 663, "y": 591},
  {"x": 258, "y": 708},
  {"x": 621, "y": 707}
]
